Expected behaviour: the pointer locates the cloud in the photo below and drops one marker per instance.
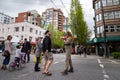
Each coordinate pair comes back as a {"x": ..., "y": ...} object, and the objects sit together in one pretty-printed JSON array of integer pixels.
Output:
[{"x": 13, "y": 7}]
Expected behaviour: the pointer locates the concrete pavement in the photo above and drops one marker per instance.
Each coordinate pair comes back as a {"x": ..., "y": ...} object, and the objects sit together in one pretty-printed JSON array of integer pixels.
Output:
[{"x": 90, "y": 68}]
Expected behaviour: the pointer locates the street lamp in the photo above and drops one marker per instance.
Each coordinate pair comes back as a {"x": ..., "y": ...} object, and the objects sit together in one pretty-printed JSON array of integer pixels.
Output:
[{"x": 104, "y": 33}]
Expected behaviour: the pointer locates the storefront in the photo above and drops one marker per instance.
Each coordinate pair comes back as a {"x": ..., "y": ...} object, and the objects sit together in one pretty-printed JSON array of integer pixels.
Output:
[{"x": 113, "y": 45}]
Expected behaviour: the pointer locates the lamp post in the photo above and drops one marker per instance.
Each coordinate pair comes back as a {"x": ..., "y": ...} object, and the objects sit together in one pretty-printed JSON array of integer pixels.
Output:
[{"x": 104, "y": 32}]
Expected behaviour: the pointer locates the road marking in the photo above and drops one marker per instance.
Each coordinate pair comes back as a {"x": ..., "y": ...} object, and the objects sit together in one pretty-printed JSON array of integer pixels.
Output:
[
  {"x": 101, "y": 65},
  {"x": 106, "y": 76},
  {"x": 23, "y": 75},
  {"x": 99, "y": 61},
  {"x": 103, "y": 70},
  {"x": 114, "y": 61},
  {"x": 55, "y": 62}
]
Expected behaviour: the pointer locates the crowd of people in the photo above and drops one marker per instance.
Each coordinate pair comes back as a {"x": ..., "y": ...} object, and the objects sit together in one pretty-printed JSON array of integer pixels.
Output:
[{"x": 24, "y": 50}]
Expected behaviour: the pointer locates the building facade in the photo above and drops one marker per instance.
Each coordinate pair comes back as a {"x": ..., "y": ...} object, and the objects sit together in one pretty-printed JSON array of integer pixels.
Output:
[
  {"x": 5, "y": 19},
  {"x": 54, "y": 17},
  {"x": 21, "y": 30},
  {"x": 107, "y": 26},
  {"x": 32, "y": 17}
]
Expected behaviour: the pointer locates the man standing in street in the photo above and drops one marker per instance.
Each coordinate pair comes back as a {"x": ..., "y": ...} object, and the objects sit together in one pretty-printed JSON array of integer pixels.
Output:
[
  {"x": 68, "y": 49},
  {"x": 48, "y": 56},
  {"x": 26, "y": 48}
]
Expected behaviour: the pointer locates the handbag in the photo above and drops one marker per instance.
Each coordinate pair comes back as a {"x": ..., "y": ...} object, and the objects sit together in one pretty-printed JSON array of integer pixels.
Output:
[
  {"x": 6, "y": 53},
  {"x": 34, "y": 59}
]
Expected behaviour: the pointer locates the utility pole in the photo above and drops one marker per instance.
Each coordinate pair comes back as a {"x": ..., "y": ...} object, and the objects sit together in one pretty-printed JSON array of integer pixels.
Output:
[{"x": 104, "y": 33}]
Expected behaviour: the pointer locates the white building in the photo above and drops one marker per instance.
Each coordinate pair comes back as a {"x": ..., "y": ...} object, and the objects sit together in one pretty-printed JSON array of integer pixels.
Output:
[
  {"x": 21, "y": 30},
  {"x": 5, "y": 19}
]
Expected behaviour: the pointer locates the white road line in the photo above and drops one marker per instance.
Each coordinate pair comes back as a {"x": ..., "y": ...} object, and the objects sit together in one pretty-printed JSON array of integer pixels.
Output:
[
  {"x": 106, "y": 76},
  {"x": 99, "y": 61},
  {"x": 101, "y": 65},
  {"x": 104, "y": 72},
  {"x": 23, "y": 75},
  {"x": 55, "y": 62},
  {"x": 114, "y": 61}
]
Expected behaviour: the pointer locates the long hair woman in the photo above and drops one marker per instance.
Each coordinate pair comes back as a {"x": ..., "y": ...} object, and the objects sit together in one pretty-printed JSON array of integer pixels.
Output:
[{"x": 7, "y": 52}]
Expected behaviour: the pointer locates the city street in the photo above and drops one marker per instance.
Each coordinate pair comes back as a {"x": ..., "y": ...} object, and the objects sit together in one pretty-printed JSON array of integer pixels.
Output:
[{"x": 90, "y": 68}]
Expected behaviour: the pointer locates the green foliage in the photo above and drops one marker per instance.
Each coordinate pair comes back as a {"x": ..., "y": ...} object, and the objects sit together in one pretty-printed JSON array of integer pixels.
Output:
[
  {"x": 79, "y": 26},
  {"x": 116, "y": 55},
  {"x": 57, "y": 42}
]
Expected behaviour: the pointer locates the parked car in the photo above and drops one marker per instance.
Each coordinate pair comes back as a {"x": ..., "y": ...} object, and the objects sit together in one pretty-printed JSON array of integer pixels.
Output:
[
  {"x": 60, "y": 50},
  {"x": 53, "y": 51}
]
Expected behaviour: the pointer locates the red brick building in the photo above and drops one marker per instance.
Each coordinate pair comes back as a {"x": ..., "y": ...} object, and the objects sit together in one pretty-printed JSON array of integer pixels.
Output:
[{"x": 30, "y": 16}]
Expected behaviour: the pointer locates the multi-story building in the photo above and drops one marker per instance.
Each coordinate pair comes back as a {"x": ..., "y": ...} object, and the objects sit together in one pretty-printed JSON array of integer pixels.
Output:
[
  {"x": 21, "y": 30},
  {"x": 5, "y": 19},
  {"x": 54, "y": 17},
  {"x": 32, "y": 17},
  {"x": 107, "y": 25}
]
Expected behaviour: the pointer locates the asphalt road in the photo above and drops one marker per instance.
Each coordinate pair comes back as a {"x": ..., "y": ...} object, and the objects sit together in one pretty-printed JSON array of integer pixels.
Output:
[{"x": 90, "y": 68}]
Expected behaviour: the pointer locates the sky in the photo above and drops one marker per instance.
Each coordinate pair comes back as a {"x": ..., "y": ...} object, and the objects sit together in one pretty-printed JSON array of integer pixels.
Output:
[{"x": 13, "y": 7}]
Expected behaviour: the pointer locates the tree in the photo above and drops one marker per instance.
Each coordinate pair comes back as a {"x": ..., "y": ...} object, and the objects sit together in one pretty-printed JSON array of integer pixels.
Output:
[
  {"x": 57, "y": 42},
  {"x": 79, "y": 26}
]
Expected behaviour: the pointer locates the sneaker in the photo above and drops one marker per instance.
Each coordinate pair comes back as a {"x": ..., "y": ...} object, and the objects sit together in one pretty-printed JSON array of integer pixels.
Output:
[
  {"x": 37, "y": 70},
  {"x": 64, "y": 72},
  {"x": 70, "y": 70}
]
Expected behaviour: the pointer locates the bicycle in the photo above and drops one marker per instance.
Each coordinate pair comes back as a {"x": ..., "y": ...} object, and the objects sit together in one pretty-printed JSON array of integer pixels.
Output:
[
  {"x": 14, "y": 65},
  {"x": 17, "y": 64}
]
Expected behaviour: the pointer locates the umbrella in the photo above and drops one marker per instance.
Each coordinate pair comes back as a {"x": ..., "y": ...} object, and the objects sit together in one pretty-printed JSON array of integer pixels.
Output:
[{"x": 15, "y": 39}]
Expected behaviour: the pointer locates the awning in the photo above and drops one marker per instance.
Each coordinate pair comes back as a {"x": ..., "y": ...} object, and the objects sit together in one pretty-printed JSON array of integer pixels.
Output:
[{"x": 102, "y": 39}]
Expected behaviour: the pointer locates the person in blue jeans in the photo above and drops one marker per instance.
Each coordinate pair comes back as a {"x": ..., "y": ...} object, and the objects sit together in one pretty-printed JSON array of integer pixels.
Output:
[
  {"x": 37, "y": 53},
  {"x": 8, "y": 50}
]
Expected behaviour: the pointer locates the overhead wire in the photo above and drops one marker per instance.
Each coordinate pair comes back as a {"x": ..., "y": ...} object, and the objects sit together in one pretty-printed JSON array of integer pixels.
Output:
[
  {"x": 65, "y": 7},
  {"x": 53, "y": 3}
]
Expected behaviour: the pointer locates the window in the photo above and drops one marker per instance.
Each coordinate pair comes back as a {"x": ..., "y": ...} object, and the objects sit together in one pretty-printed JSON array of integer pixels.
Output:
[
  {"x": 116, "y": 14},
  {"x": 116, "y": 2},
  {"x": 118, "y": 28},
  {"x": 99, "y": 4},
  {"x": 31, "y": 30},
  {"x": 101, "y": 29},
  {"x": 3, "y": 30},
  {"x": 21, "y": 37},
  {"x": 16, "y": 29},
  {"x": 109, "y": 2},
  {"x": 100, "y": 17},
  {"x": 40, "y": 33},
  {"x": 30, "y": 38},
  {"x": 36, "y": 32},
  {"x": 110, "y": 15},
  {"x": 112, "y": 28},
  {"x": 97, "y": 18},
  {"x": 104, "y": 2},
  {"x": 96, "y": 5},
  {"x": 106, "y": 29},
  {"x": 106, "y": 15},
  {"x": 98, "y": 31},
  {"x": 8, "y": 29},
  {"x": 22, "y": 28}
]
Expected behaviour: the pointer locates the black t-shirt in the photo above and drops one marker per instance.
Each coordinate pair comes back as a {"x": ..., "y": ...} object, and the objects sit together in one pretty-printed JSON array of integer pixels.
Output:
[{"x": 47, "y": 44}]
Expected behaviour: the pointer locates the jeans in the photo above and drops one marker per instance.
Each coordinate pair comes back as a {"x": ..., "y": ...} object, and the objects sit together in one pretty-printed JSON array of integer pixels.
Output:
[{"x": 37, "y": 63}]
